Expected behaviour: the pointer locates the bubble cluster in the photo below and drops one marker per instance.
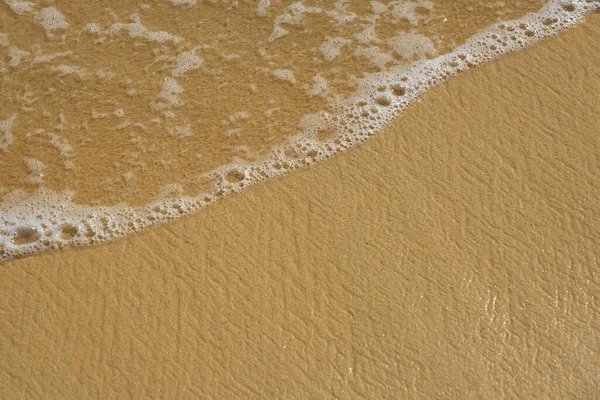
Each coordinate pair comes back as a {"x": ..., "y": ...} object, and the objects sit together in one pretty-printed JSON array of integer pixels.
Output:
[
  {"x": 51, "y": 20},
  {"x": 285, "y": 75},
  {"x": 183, "y": 2},
  {"x": 186, "y": 61},
  {"x": 48, "y": 220},
  {"x": 20, "y": 7},
  {"x": 331, "y": 47},
  {"x": 135, "y": 29},
  {"x": 263, "y": 7}
]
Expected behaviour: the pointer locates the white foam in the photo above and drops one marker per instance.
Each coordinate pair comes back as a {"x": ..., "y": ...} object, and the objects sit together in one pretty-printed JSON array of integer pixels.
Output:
[
  {"x": 135, "y": 29},
  {"x": 4, "y": 39},
  {"x": 93, "y": 28},
  {"x": 294, "y": 15},
  {"x": 318, "y": 88},
  {"x": 375, "y": 55},
  {"x": 263, "y": 7},
  {"x": 408, "y": 10},
  {"x": 44, "y": 58},
  {"x": 65, "y": 69},
  {"x": 291, "y": 15},
  {"x": 367, "y": 35},
  {"x": 378, "y": 99},
  {"x": 278, "y": 32},
  {"x": 103, "y": 74},
  {"x": 170, "y": 91},
  {"x": 285, "y": 75},
  {"x": 16, "y": 55},
  {"x": 331, "y": 48},
  {"x": 180, "y": 131},
  {"x": 236, "y": 116},
  {"x": 36, "y": 170},
  {"x": 64, "y": 147},
  {"x": 169, "y": 95},
  {"x": 51, "y": 20},
  {"x": 186, "y": 61},
  {"x": 413, "y": 46},
  {"x": 183, "y": 2},
  {"x": 6, "y": 138},
  {"x": 20, "y": 7},
  {"x": 340, "y": 13},
  {"x": 379, "y": 8}
]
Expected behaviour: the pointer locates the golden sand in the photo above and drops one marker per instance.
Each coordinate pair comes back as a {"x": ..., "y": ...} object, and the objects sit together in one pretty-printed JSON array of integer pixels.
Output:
[{"x": 452, "y": 256}]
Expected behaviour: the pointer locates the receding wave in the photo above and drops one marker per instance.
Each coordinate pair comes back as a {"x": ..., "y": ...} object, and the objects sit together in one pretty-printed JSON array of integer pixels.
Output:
[{"x": 116, "y": 117}]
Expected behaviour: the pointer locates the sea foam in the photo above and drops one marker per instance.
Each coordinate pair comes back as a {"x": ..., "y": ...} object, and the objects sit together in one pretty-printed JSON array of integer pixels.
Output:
[{"x": 44, "y": 219}]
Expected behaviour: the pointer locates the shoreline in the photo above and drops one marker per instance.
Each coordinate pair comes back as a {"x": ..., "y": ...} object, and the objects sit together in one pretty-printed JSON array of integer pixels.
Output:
[
  {"x": 80, "y": 224},
  {"x": 452, "y": 254}
]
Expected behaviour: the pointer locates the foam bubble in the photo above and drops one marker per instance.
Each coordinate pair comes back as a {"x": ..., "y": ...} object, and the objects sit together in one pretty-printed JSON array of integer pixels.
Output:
[
  {"x": 186, "y": 61},
  {"x": 367, "y": 35},
  {"x": 263, "y": 7},
  {"x": 331, "y": 47},
  {"x": 119, "y": 113},
  {"x": 20, "y": 7},
  {"x": 93, "y": 28},
  {"x": 378, "y": 8},
  {"x": 285, "y": 75},
  {"x": 51, "y": 20}
]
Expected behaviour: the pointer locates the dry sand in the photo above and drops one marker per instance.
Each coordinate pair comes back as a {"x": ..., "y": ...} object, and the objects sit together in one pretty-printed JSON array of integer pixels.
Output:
[{"x": 452, "y": 256}]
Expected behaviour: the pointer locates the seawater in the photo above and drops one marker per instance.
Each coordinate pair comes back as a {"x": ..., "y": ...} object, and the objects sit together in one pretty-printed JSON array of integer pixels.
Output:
[{"x": 115, "y": 116}]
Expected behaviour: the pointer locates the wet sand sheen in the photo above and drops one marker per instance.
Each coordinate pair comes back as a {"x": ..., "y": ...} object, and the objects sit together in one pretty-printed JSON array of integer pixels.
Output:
[
  {"x": 209, "y": 85},
  {"x": 477, "y": 278}
]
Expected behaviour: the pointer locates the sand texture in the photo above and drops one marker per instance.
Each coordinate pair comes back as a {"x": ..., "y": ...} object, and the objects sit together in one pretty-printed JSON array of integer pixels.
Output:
[{"x": 452, "y": 256}]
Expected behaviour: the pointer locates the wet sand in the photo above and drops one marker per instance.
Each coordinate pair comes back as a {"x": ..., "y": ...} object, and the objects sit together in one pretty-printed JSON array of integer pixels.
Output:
[{"x": 452, "y": 256}]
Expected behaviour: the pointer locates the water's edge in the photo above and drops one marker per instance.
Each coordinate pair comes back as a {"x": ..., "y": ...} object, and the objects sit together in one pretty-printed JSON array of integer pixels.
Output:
[{"x": 47, "y": 220}]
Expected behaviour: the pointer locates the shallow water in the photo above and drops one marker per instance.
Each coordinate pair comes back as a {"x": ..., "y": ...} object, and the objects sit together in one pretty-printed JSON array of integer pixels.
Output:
[{"x": 115, "y": 118}]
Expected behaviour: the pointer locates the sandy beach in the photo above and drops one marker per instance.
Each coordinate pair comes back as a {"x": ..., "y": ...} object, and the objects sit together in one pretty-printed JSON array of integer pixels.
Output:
[{"x": 454, "y": 255}]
